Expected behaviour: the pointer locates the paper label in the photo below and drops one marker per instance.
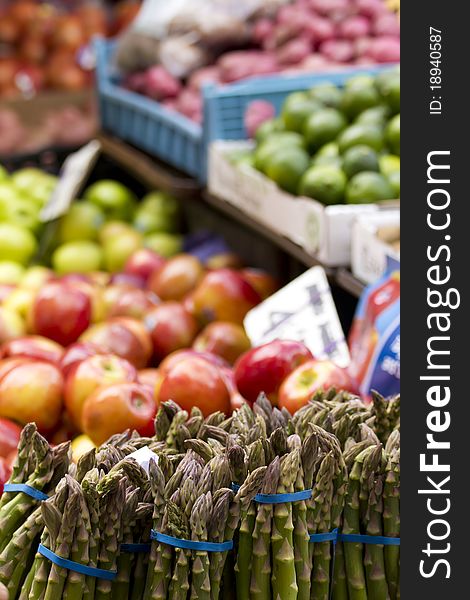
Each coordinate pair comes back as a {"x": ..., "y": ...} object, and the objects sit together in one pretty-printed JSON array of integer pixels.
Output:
[
  {"x": 143, "y": 457},
  {"x": 304, "y": 311},
  {"x": 155, "y": 15},
  {"x": 74, "y": 173}
]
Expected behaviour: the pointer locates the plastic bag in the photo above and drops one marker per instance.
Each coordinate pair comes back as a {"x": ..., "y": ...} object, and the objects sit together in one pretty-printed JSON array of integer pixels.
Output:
[
  {"x": 374, "y": 340},
  {"x": 185, "y": 35}
]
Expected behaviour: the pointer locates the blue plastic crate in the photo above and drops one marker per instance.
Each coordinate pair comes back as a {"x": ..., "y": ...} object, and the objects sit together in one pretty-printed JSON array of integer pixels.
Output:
[{"x": 176, "y": 139}]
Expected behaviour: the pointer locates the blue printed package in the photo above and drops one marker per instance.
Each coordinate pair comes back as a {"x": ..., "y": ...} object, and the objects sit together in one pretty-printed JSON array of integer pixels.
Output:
[{"x": 375, "y": 338}]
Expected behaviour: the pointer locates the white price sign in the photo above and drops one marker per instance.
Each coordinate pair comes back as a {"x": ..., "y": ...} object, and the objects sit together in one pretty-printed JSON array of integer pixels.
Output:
[
  {"x": 75, "y": 170},
  {"x": 304, "y": 311}
]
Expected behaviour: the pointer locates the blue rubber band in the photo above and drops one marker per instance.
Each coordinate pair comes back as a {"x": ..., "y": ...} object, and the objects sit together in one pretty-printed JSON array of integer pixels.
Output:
[
  {"x": 368, "y": 539},
  {"x": 278, "y": 498},
  {"x": 332, "y": 536},
  {"x": 77, "y": 567},
  {"x": 26, "y": 489},
  {"x": 190, "y": 544},
  {"x": 135, "y": 548}
]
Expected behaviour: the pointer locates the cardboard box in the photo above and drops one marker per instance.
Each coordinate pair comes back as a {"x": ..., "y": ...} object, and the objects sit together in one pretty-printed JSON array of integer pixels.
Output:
[
  {"x": 371, "y": 256},
  {"x": 323, "y": 231}
]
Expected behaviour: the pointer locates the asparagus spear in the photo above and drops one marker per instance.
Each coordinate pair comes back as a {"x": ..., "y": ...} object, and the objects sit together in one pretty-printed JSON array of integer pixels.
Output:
[
  {"x": 339, "y": 589},
  {"x": 200, "y": 581},
  {"x": 157, "y": 481},
  {"x": 391, "y": 521},
  {"x": 20, "y": 471},
  {"x": 260, "y": 587},
  {"x": 62, "y": 546},
  {"x": 245, "y": 534},
  {"x": 282, "y": 544},
  {"x": 222, "y": 499},
  {"x": 179, "y": 527},
  {"x": 121, "y": 585},
  {"x": 237, "y": 511},
  {"x": 351, "y": 524},
  {"x": 90, "y": 492}
]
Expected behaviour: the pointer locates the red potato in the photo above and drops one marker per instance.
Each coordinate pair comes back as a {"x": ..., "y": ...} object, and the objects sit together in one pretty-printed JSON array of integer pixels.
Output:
[
  {"x": 256, "y": 114},
  {"x": 189, "y": 103},
  {"x": 328, "y": 7},
  {"x": 371, "y": 8},
  {"x": 386, "y": 24},
  {"x": 384, "y": 49},
  {"x": 362, "y": 45},
  {"x": 200, "y": 77},
  {"x": 316, "y": 63},
  {"x": 262, "y": 30},
  {"x": 337, "y": 50},
  {"x": 354, "y": 27},
  {"x": 319, "y": 29},
  {"x": 246, "y": 63},
  {"x": 294, "y": 51},
  {"x": 160, "y": 84},
  {"x": 135, "y": 82}
]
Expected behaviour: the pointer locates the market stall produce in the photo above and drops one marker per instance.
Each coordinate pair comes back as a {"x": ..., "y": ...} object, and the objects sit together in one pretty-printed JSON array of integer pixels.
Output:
[
  {"x": 255, "y": 496},
  {"x": 219, "y": 44}
]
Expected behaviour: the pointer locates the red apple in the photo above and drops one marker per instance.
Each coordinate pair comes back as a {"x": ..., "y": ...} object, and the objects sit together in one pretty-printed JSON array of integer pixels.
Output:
[
  {"x": 263, "y": 369},
  {"x": 262, "y": 282},
  {"x": 177, "y": 278},
  {"x": 76, "y": 353},
  {"x": 9, "y": 437},
  {"x": 134, "y": 303},
  {"x": 225, "y": 339},
  {"x": 172, "y": 327},
  {"x": 32, "y": 391},
  {"x": 5, "y": 290},
  {"x": 123, "y": 336},
  {"x": 91, "y": 373},
  {"x": 224, "y": 295},
  {"x": 300, "y": 386},
  {"x": 5, "y": 472},
  {"x": 116, "y": 408},
  {"x": 224, "y": 261},
  {"x": 196, "y": 382},
  {"x": 143, "y": 263},
  {"x": 149, "y": 378},
  {"x": 130, "y": 280},
  {"x": 61, "y": 312},
  {"x": 7, "y": 364},
  {"x": 33, "y": 346},
  {"x": 179, "y": 355}
]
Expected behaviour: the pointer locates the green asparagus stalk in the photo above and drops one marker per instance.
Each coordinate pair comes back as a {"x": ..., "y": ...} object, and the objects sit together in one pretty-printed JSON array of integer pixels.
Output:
[
  {"x": 21, "y": 466},
  {"x": 301, "y": 539},
  {"x": 374, "y": 554},
  {"x": 121, "y": 585},
  {"x": 222, "y": 499},
  {"x": 339, "y": 584},
  {"x": 157, "y": 481},
  {"x": 200, "y": 580},
  {"x": 284, "y": 582},
  {"x": 391, "y": 522},
  {"x": 351, "y": 524},
  {"x": 179, "y": 527},
  {"x": 62, "y": 547},
  {"x": 260, "y": 585}
]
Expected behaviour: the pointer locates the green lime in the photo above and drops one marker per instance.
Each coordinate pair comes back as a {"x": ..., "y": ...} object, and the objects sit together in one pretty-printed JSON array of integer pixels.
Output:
[
  {"x": 389, "y": 163},
  {"x": 360, "y": 158},
  {"x": 328, "y": 94},
  {"x": 359, "y": 94},
  {"x": 362, "y": 134},
  {"x": 271, "y": 145},
  {"x": 392, "y": 134},
  {"x": 267, "y": 128},
  {"x": 377, "y": 115},
  {"x": 296, "y": 112},
  {"x": 325, "y": 183},
  {"x": 394, "y": 181},
  {"x": 330, "y": 149},
  {"x": 388, "y": 85},
  {"x": 322, "y": 127},
  {"x": 324, "y": 159},
  {"x": 368, "y": 187},
  {"x": 286, "y": 167}
]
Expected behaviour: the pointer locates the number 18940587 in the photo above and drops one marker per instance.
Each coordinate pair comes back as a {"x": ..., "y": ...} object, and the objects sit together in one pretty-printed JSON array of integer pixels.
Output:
[{"x": 435, "y": 59}]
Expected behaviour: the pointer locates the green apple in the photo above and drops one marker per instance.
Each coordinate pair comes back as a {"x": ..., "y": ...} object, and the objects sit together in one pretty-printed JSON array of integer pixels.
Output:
[
  {"x": 27, "y": 178},
  {"x": 165, "y": 244},
  {"x": 16, "y": 243},
  {"x": 25, "y": 213},
  {"x": 42, "y": 190},
  {"x": 8, "y": 196},
  {"x": 35, "y": 277},
  {"x": 82, "y": 222},
  {"x": 11, "y": 272},
  {"x": 114, "y": 199},
  {"x": 119, "y": 248},
  {"x": 77, "y": 257},
  {"x": 147, "y": 220},
  {"x": 3, "y": 173},
  {"x": 113, "y": 229},
  {"x": 162, "y": 202}
]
